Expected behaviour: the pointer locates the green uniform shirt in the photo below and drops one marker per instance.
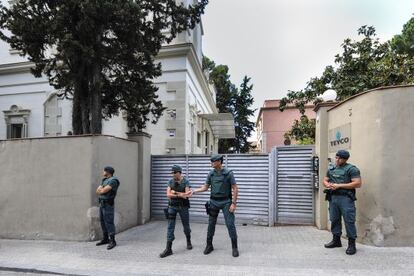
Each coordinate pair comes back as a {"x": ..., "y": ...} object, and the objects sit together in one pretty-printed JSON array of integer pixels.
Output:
[
  {"x": 114, "y": 183},
  {"x": 343, "y": 174},
  {"x": 220, "y": 182},
  {"x": 178, "y": 186}
]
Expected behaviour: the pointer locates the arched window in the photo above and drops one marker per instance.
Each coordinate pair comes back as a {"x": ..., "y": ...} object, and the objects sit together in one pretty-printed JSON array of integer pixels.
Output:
[{"x": 53, "y": 116}]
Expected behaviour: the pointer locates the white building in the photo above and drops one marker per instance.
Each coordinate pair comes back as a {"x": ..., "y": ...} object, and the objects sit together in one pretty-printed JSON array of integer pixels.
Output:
[{"x": 29, "y": 106}]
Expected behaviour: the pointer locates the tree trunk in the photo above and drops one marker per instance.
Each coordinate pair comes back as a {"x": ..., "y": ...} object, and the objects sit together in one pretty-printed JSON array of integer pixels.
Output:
[
  {"x": 96, "y": 102},
  {"x": 85, "y": 108},
  {"x": 96, "y": 87},
  {"x": 77, "y": 111},
  {"x": 80, "y": 109}
]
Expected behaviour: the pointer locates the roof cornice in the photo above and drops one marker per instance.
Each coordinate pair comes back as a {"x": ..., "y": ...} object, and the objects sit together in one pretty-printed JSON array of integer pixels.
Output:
[{"x": 17, "y": 67}]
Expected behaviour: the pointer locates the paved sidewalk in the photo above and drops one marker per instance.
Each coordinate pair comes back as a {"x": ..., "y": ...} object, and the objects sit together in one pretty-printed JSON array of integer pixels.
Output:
[{"x": 286, "y": 250}]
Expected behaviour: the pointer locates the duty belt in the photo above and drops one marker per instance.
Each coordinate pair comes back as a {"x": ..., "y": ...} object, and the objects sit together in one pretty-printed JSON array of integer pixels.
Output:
[
  {"x": 219, "y": 197},
  {"x": 339, "y": 192},
  {"x": 107, "y": 201},
  {"x": 180, "y": 203}
]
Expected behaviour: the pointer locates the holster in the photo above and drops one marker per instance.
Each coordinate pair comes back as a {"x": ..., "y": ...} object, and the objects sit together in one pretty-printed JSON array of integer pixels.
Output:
[
  {"x": 207, "y": 205},
  {"x": 166, "y": 213},
  {"x": 328, "y": 194}
]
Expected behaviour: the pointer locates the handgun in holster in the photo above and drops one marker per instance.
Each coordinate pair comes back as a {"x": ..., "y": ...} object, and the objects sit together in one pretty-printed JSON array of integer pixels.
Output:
[
  {"x": 328, "y": 194},
  {"x": 207, "y": 205},
  {"x": 166, "y": 213}
]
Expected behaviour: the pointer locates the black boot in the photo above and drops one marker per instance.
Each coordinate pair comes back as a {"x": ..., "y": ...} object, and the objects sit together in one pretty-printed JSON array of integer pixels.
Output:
[
  {"x": 189, "y": 245},
  {"x": 104, "y": 240},
  {"x": 167, "y": 251},
  {"x": 234, "y": 247},
  {"x": 336, "y": 242},
  {"x": 209, "y": 247},
  {"x": 351, "y": 250},
  {"x": 112, "y": 242}
]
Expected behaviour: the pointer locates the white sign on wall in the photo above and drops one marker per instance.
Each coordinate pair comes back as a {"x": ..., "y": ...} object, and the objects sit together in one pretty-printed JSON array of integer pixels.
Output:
[{"x": 340, "y": 138}]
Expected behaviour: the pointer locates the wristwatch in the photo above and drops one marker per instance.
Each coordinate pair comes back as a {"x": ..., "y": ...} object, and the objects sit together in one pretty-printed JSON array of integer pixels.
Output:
[{"x": 235, "y": 203}]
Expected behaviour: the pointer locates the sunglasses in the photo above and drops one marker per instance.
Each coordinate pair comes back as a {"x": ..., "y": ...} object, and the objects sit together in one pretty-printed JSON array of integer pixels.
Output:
[{"x": 174, "y": 172}]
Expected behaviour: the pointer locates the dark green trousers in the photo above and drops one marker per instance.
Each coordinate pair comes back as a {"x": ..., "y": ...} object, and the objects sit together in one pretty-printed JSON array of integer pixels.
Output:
[
  {"x": 229, "y": 218},
  {"x": 342, "y": 206}
]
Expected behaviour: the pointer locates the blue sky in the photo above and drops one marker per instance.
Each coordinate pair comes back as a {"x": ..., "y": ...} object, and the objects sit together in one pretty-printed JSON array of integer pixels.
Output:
[{"x": 281, "y": 44}]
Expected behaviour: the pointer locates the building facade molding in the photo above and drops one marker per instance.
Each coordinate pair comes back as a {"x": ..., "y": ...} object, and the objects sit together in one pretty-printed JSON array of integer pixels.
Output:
[
  {"x": 187, "y": 49},
  {"x": 17, "y": 67}
]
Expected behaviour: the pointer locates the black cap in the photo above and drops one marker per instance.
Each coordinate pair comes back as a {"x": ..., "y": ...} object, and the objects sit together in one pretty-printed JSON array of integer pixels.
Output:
[
  {"x": 344, "y": 154},
  {"x": 176, "y": 168},
  {"x": 109, "y": 169},
  {"x": 216, "y": 157}
]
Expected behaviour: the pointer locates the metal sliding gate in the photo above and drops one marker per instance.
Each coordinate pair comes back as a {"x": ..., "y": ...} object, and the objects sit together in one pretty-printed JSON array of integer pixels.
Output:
[
  {"x": 273, "y": 188},
  {"x": 252, "y": 177}
]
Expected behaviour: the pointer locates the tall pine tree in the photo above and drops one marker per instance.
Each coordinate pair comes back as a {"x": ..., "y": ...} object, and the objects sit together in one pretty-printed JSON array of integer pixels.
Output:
[
  {"x": 238, "y": 102},
  {"x": 242, "y": 113}
]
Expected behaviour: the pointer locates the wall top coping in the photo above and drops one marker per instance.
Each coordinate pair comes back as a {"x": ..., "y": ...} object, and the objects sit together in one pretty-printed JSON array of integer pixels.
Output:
[
  {"x": 141, "y": 133},
  {"x": 324, "y": 104},
  {"x": 67, "y": 136},
  {"x": 369, "y": 91}
]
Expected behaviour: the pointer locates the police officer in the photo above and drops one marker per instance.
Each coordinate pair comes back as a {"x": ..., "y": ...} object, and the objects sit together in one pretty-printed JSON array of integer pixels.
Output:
[
  {"x": 106, "y": 193},
  {"x": 223, "y": 197},
  {"x": 341, "y": 181},
  {"x": 178, "y": 191}
]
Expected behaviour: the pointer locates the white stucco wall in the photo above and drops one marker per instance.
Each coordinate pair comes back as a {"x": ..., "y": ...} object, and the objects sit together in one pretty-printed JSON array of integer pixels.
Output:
[
  {"x": 196, "y": 91},
  {"x": 158, "y": 131},
  {"x": 26, "y": 92},
  {"x": 180, "y": 70},
  {"x": 7, "y": 56}
]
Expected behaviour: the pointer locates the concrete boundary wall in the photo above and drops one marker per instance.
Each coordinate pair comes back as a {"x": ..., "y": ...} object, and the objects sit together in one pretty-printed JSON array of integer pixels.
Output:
[
  {"x": 381, "y": 131},
  {"x": 48, "y": 186}
]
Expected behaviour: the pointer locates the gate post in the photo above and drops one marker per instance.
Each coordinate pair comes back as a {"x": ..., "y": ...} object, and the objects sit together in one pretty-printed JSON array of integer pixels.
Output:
[
  {"x": 144, "y": 175},
  {"x": 321, "y": 150},
  {"x": 272, "y": 186}
]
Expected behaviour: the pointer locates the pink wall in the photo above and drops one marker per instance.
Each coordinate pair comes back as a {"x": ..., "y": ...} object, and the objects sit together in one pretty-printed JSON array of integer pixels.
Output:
[{"x": 277, "y": 123}]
